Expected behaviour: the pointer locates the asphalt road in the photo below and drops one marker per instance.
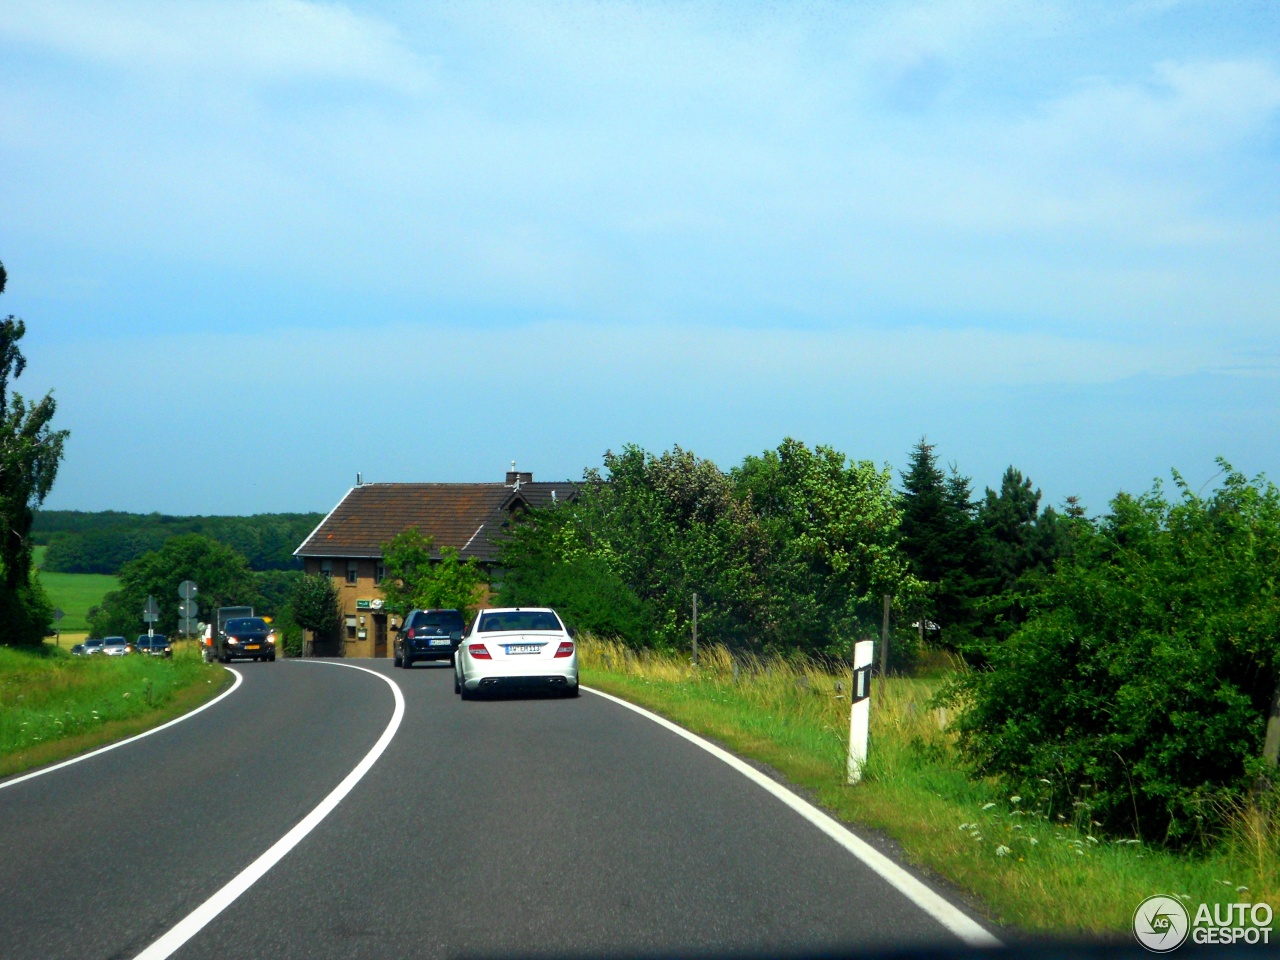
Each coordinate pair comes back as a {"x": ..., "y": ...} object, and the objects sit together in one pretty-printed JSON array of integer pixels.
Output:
[{"x": 513, "y": 827}]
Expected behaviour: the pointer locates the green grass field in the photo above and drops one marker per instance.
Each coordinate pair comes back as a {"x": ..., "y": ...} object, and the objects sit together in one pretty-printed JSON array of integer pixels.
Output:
[{"x": 74, "y": 594}]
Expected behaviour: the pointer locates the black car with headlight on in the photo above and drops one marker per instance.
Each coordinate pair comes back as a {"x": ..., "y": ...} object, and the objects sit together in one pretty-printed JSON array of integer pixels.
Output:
[
  {"x": 246, "y": 638},
  {"x": 428, "y": 635}
]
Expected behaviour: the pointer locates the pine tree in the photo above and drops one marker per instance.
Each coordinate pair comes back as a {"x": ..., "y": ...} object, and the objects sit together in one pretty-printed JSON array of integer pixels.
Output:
[{"x": 937, "y": 536}]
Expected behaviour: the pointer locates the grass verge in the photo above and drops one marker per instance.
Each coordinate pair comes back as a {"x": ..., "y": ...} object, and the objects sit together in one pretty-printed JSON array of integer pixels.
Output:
[
  {"x": 1029, "y": 866},
  {"x": 53, "y": 705}
]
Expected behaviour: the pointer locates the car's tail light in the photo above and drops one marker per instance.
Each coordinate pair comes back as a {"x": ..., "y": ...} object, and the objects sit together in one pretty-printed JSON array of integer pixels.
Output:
[
  {"x": 565, "y": 649},
  {"x": 478, "y": 652},
  {"x": 409, "y": 633}
]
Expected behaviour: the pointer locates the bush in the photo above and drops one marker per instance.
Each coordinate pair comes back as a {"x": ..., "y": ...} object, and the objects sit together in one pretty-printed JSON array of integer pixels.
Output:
[{"x": 1140, "y": 686}]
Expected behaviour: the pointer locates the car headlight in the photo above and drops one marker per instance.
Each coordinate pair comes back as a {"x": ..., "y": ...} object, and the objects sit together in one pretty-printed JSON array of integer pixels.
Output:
[
  {"x": 232, "y": 640},
  {"x": 271, "y": 638}
]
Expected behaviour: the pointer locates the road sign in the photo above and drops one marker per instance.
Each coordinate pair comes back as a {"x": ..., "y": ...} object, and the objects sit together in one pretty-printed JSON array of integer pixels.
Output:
[
  {"x": 188, "y": 625},
  {"x": 58, "y": 614},
  {"x": 187, "y": 609},
  {"x": 187, "y": 590},
  {"x": 151, "y": 612}
]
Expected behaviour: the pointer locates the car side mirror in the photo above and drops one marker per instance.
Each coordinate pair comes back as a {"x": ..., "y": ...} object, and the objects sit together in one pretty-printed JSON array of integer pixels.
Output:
[{"x": 573, "y": 633}]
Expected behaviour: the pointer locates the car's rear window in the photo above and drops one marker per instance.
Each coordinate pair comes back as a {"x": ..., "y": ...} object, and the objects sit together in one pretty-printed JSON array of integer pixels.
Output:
[
  {"x": 246, "y": 624},
  {"x": 445, "y": 621},
  {"x": 519, "y": 620}
]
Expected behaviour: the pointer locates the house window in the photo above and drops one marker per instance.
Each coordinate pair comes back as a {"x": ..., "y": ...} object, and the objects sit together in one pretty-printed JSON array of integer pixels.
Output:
[
  {"x": 353, "y": 569},
  {"x": 379, "y": 572},
  {"x": 351, "y": 628},
  {"x": 326, "y": 568}
]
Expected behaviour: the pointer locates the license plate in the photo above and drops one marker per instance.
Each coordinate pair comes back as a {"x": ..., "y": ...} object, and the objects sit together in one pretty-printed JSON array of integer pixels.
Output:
[
  {"x": 439, "y": 641},
  {"x": 524, "y": 648},
  {"x": 252, "y": 646}
]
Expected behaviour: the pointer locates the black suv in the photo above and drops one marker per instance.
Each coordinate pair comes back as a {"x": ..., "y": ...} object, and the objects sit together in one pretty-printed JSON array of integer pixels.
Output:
[
  {"x": 250, "y": 637},
  {"x": 428, "y": 635}
]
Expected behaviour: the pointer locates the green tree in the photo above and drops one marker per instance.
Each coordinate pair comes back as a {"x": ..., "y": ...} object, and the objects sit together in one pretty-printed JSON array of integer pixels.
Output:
[
  {"x": 831, "y": 529},
  {"x": 223, "y": 576},
  {"x": 415, "y": 580},
  {"x": 1018, "y": 546},
  {"x": 315, "y": 606},
  {"x": 1140, "y": 684},
  {"x": 938, "y": 536},
  {"x": 30, "y": 452},
  {"x": 546, "y": 563}
]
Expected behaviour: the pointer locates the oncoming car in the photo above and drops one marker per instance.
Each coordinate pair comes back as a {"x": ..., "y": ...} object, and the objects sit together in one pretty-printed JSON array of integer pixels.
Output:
[
  {"x": 516, "y": 648},
  {"x": 246, "y": 637},
  {"x": 116, "y": 646}
]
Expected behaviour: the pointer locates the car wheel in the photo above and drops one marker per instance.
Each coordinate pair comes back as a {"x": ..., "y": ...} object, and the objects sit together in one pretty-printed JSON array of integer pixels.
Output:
[
  {"x": 271, "y": 659},
  {"x": 463, "y": 692},
  {"x": 399, "y": 662},
  {"x": 407, "y": 663},
  {"x": 457, "y": 687},
  {"x": 572, "y": 691}
]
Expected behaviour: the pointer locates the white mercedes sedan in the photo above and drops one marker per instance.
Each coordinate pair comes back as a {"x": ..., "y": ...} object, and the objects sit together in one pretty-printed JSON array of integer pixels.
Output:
[{"x": 516, "y": 648}]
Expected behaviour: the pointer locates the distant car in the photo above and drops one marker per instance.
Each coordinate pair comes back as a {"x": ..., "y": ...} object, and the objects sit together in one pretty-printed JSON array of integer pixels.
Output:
[
  {"x": 516, "y": 648},
  {"x": 77, "y": 650},
  {"x": 428, "y": 635},
  {"x": 157, "y": 645},
  {"x": 116, "y": 646},
  {"x": 246, "y": 638},
  {"x": 92, "y": 646}
]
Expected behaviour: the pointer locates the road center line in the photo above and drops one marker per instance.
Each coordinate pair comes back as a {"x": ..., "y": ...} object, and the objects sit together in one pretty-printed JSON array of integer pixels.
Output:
[
  {"x": 120, "y": 743},
  {"x": 201, "y": 916},
  {"x": 918, "y": 893}
]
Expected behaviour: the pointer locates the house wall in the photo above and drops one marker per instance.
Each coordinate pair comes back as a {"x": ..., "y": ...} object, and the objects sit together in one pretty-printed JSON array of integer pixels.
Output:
[
  {"x": 356, "y": 602},
  {"x": 358, "y": 617}
]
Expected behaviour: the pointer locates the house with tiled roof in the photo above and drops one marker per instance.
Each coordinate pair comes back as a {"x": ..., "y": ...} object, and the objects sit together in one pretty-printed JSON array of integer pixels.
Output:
[{"x": 470, "y": 517}]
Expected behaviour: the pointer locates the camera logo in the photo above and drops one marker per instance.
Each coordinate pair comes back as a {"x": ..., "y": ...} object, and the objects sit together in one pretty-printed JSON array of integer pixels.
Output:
[{"x": 1160, "y": 923}]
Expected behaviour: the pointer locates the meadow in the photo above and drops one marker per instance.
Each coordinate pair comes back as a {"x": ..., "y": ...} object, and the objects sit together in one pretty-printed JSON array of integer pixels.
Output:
[
  {"x": 1022, "y": 862},
  {"x": 74, "y": 594}
]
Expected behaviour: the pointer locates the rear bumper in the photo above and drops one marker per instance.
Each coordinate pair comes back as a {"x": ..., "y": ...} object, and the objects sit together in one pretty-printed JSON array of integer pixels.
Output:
[
  {"x": 500, "y": 684},
  {"x": 431, "y": 653}
]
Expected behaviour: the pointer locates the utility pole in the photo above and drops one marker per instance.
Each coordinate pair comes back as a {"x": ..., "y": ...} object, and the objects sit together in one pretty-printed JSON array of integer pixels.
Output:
[
  {"x": 884, "y": 640},
  {"x": 695, "y": 629},
  {"x": 1271, "y": 745}
]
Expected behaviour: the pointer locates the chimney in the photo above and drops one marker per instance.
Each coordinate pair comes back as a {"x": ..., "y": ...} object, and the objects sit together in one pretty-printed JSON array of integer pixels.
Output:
[{"x": 518, "y": 478}]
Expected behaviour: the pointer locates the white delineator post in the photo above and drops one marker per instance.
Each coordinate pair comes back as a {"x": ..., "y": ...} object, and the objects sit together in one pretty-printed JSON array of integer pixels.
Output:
[{"x": 860, "y": 712}]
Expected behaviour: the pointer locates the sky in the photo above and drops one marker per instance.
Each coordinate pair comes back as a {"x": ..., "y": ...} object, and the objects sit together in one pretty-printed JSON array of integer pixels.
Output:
[{"x": 262, "y": 246}]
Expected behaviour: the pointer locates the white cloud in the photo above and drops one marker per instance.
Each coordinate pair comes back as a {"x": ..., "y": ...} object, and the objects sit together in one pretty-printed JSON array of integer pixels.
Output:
[{"x": 250, "y": 40}]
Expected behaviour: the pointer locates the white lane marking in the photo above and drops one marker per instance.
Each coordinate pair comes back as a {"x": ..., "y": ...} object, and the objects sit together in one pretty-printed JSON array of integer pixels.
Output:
[
  {"x": 200, "y": 917},
  {"x": 927, "y": 900},
  {"x": 120, "y": 743}
]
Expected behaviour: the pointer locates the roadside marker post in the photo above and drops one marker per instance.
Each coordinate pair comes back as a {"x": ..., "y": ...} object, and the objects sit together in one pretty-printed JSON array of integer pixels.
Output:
[
  {"x": 695, "y": 629},
  {"x": 860, "y": 712}
]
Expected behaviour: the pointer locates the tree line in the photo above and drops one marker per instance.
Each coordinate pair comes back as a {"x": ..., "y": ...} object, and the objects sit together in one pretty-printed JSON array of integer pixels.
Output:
[
  {"x": 104, "y": 541},
  {"x": 1127, "y": 664}
]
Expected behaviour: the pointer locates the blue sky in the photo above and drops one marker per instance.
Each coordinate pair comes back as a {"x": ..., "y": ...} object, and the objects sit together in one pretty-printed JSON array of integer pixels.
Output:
[{"x": 262, "y": 246}]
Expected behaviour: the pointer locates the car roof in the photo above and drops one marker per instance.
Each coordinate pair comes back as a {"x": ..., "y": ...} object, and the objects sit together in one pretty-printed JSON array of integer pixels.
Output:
[{"x": 517, "y": 610}]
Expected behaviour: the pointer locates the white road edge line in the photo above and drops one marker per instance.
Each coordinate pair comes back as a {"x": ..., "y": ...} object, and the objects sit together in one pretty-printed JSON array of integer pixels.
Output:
[
  {"x": 926, "y": 899},
  {"x": 120, "y": 743},
  {"x": 200, "y": 917}
]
